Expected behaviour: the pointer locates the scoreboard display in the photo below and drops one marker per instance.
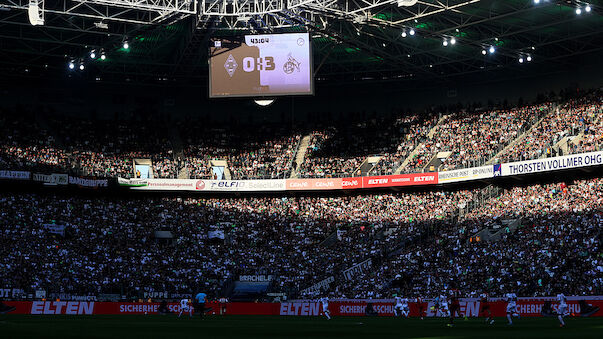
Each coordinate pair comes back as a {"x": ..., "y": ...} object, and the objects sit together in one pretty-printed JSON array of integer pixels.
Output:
[{"x": 262, "y": 65}]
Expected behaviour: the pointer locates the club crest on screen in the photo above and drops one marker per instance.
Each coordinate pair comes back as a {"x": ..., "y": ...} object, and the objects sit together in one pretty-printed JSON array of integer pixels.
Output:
[
  {"x": 230, "y": 65},
  {"x": 291, "y": 65}
]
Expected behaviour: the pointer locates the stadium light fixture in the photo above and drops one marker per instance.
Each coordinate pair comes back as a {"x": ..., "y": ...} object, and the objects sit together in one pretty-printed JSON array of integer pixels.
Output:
[
  {"x": 263, "y": 102},
  {"x": 445, "y": 42},
  {"x": 587, "y": 8},
  {"x": 492, "y": 50},
  {"x": 404, "y": 34},
  {"x": 484, "y": 52},
  {"x": 103, "y": 56},
  {"x": 578, "y": 11},
  {"x": 71, "y": 65},
  {"x": 412, "y": 31},
  {"x": 520, "y": 60},
  {"x": 452, "y": 41},
  {"x": 92, "y": 54},
  {"x": 82, "y": 67},
  {"x": 529, "y": 58},
  {"x": 126, "y": 44},
  {"x": 536, "y": 2}
]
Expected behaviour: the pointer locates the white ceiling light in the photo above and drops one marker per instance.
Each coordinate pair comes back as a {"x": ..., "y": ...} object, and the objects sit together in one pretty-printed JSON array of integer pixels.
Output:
[{"x": 263, "y": 102}]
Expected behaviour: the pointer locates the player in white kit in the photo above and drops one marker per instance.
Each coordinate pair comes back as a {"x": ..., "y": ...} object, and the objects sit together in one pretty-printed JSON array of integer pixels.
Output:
[
  {"x": 443, "y": 306},
  {"x": 511, "y": 306},
  {"x": 401, "y": 306},
  {"x": 185, "y": 307},
  {"x": 324, "y": 301},
  {"x": 562, "y": 309}
]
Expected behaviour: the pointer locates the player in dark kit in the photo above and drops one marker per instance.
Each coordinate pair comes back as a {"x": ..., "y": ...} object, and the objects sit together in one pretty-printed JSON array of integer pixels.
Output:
[
  {"x": 455, "y": 307},
  {"x": 484, "y": 309},
  {"x": 421, "y": 306}
]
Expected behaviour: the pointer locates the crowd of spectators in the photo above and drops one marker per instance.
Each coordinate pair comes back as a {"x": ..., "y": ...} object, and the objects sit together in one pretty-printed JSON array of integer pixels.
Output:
[
  {"x": 338, "y": 152},
  {"x": 332, "y": 166},
  {"x": 415, "y": 129},
  {"x": 472, "y": 138},
  {"x": 83, "y": 147},
  {"x": 254, "y": 153},
  {"x": 109, "y": 244},
  {"x": 105, "y": 148},
  {"x": 569, "y": 120}
]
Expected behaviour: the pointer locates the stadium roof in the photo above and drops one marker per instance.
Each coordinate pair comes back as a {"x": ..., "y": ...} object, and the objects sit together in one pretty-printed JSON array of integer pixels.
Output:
[{"x": 352, "y": 39}]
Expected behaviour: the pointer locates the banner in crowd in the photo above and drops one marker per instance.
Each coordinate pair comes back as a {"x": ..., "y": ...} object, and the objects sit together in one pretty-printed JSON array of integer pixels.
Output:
[
  {"x": 14, "y": 175},
  {"x": 7, "y": 293},
  {"x": 216, "y": 234},
  {"x": 553, "y": 164},
  {"x": 256, "y": 278},
  {"x": 53, "y": 179},
  {"x": 470, "y": 307},
  {"x": 356, "y": 269},
  {"x": 318, "y": 286},
  {"x": 72, "y": 297},
  {"x": 55, "y": 229},
  {"x": 88, "y": 183},
  {"x": 165, "y": 295},
  {"x": 204, "y": 185},
  {"x": 474, "y": 173}
]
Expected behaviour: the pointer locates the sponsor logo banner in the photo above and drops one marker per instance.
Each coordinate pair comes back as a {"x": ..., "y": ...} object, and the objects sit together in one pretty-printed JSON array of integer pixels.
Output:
[
  {"x": 62, "y": 307},
  {"x": 245, "y": 185},
  {"x": 465, "y": 174},
  {"x": 351, "y": 183},
  {"x": 530, "y": 307},
  {"x": 304, "y": 308},
  {"x": 553, "y": 164},
  {"x": 51, "y": 179},
  {"x": 204, "y": 185},
  {"x": 356, "y": 269},
  {"x": 132, "y": 182},
  {"x": 400, "y": 180},
  {"x": 15, "y": 175},
  {"x": 318, "y": 286},
  {"x": 314, "y": 184}
]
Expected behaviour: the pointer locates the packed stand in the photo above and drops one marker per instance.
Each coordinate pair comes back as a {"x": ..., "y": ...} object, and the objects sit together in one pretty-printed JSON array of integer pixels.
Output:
[
  {"x": 109, "y": 244},
  {"x": 557, "y": 248},
  {"x": 259, "y": 153},
  {"x": 338, "y": 152},
  {"x": 415, "y": 129},
  {"x": 474, "y": 138},
  {"x": 25, "y": 145},
  {"x": 82, "y": 147},
  {"x": 108, "y": 148},
  {"x": 572, "y": 119}
]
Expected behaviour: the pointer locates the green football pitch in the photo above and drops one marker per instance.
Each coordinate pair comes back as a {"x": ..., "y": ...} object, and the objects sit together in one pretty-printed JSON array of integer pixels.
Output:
[{"x": 156, "y": 326}]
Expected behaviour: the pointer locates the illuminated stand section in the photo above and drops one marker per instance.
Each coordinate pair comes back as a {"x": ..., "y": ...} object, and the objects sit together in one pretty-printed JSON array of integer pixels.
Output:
[{"x": 574, "y": 161}]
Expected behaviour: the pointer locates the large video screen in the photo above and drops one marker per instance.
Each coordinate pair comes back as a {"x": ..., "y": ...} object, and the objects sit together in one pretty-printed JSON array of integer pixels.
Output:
[{"x": 262, "y": 65}]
